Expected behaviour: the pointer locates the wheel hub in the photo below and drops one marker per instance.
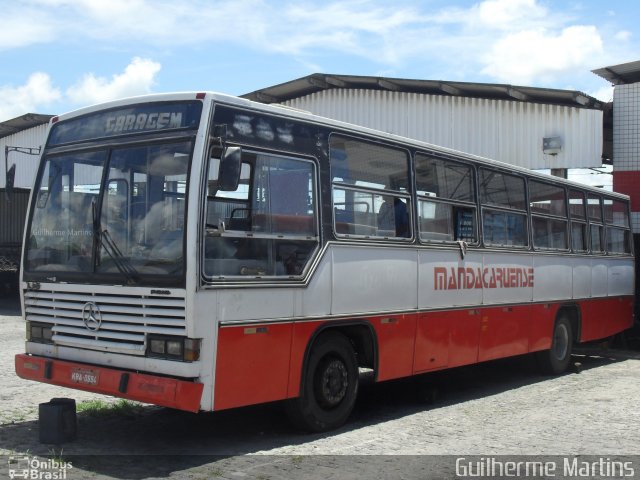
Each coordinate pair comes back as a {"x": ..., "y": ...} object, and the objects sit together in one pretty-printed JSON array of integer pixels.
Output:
[{"x": 334, "y": 382}]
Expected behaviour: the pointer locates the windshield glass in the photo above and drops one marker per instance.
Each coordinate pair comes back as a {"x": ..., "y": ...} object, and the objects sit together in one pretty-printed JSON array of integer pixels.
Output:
[{"x": 127, "y": 221}]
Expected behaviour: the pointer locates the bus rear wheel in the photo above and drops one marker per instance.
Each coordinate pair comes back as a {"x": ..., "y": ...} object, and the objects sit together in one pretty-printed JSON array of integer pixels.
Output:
[
  {"x": 556, "y": 360},
  {"x": 330, "y": 385}
]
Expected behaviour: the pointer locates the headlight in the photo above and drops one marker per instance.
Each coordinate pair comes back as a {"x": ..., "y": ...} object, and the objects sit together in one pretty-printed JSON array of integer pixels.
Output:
[
  {"x": 173, "y": 348},
  {"x": 39, "y": 332}
]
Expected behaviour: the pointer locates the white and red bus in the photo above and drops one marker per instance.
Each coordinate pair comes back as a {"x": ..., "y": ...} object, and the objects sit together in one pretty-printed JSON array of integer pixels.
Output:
[{"x": 204, "y": 252}]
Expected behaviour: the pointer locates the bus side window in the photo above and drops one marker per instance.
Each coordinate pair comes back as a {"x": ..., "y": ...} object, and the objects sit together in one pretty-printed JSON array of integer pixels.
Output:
[
  {"x": 504, "y": 212},
  {"x": 446, "y": 200},
  {"x": 371, "y": 193},
  {"x": 270, "y": 226}
]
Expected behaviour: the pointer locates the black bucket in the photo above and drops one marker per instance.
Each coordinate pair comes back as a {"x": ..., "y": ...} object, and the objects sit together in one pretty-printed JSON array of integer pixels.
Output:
[{"x": 57, "y": 421}]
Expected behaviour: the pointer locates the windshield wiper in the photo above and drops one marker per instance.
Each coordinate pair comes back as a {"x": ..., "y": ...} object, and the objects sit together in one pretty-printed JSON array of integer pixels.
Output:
[
  {"x": 103, "y": 239},
  {"x": 121, "y": 262}
]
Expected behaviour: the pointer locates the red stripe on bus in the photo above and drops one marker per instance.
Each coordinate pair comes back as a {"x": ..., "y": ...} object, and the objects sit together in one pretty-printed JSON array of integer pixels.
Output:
[
  {"x": 163, "y": 391},
  {"x": 264, "y": 362}
]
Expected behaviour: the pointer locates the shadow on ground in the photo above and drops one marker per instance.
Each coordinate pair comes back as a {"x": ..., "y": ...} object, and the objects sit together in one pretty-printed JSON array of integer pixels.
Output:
[
  {"x": 10, "y": 305},
  {"x": 155, "y": 442}
]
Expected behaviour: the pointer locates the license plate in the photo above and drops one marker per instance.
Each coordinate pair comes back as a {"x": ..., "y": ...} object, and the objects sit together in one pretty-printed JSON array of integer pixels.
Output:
[{"x": 84, "y": 376}]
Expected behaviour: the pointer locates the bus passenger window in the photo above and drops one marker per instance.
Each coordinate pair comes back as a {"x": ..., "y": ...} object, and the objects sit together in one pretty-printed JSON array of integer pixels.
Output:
[
  {"x": 446, "y": 200},
  {"x": 268, "y": 226},
  {"x": 371, "y": 196},
  {"x": 548, "y": 215},
  {"x": 504, "y": 209},
  {"x": 618, "y": 235}
]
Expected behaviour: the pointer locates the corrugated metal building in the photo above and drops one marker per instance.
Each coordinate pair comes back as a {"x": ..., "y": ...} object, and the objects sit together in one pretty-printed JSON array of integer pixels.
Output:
[
  {"x": 502, "y": 122},
  {"x": 27, "y": 132},
  {"x": 19, "y": 135}
]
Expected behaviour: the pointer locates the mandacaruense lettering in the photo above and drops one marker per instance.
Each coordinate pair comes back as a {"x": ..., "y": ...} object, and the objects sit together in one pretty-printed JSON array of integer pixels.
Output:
[{"x": 467, "y": 278}]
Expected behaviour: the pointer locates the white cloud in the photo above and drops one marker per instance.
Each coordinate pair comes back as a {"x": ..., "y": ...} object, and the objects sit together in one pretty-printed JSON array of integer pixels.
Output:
[
  {"x": 513, "y": 41},
  {"x": 605, "y": 93},
  {"x": 34, "y": 95},
  {"x": 23, "y": 27},
  {"x": 505, "y": 14},
  {"x": 137, "y": 79},
  {"x": 623, "y": 36},
  {"x": 525, "y": 56}
]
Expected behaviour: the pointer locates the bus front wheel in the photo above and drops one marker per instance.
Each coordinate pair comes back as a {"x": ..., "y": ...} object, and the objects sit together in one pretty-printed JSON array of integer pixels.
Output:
[
  {"x": 556, "y": 360},
  {"x": 330, "y": 385}
]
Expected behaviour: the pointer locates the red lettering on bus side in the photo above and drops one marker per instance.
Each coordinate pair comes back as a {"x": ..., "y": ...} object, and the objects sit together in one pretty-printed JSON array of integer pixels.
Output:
[
  {"x": 451, "y": 285},
  {"x": 478, "y": 278},
  {"x": 439, "y": 278}
]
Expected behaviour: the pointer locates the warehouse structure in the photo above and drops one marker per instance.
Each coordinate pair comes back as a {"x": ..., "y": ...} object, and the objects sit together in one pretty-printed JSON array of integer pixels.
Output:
[
  {"x": 20, "y": 141},
  {"x": 535, "y": 128}
]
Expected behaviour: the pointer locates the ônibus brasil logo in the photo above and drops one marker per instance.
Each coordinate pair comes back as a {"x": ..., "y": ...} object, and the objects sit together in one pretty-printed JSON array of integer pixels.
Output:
[{"x": 23, "y": 466}]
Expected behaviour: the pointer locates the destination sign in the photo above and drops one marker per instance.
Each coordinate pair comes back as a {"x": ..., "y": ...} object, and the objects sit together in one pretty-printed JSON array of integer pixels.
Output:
[
  {"x": 136, "y": 119},
  {"x": 143, "y": 121}
]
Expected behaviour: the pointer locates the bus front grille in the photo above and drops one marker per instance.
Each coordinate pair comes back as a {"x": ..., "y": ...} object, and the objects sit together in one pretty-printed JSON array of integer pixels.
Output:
[{"x": 107, "y": 322}]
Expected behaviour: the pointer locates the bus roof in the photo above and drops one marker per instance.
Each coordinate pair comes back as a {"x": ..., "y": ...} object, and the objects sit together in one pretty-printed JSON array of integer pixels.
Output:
[{"x": 327, "y": 122}]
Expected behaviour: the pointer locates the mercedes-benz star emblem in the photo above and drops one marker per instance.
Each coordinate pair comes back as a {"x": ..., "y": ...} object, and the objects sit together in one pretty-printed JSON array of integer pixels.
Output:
[{"x": 91, "y": 316}]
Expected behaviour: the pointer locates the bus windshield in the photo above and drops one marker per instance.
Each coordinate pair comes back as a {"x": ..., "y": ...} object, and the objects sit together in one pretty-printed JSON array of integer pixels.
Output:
[{"x": 111, "y": 212}]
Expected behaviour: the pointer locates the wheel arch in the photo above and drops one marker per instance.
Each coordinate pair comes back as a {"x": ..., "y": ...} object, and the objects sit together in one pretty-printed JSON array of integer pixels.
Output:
[
  {"x": 360, "y": 334},
  {"x": 574, "y": 314}
]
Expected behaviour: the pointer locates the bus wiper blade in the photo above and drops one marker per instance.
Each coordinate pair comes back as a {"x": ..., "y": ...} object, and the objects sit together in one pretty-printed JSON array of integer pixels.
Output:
[{"x": 121, "y": 262}]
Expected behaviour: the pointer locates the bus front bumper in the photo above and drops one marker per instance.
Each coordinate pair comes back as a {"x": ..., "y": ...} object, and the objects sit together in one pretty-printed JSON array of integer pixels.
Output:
[{"x": 163, "y": 391}]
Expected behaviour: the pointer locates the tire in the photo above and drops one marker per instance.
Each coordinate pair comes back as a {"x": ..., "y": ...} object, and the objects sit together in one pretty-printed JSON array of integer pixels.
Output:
[
  {"x": 329, "y": 386},
  {"x": 556, "y": 360}
]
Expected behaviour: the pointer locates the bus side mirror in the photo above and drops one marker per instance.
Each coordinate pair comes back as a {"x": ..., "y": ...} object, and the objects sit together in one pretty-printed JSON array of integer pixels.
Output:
[
  {"x": 229, "y": 171},
  {"x": 9, "y": 180}
]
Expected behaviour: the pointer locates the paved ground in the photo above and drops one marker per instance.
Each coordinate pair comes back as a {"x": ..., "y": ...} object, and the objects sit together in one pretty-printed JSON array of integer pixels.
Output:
[{"x": 498, "y": 408}]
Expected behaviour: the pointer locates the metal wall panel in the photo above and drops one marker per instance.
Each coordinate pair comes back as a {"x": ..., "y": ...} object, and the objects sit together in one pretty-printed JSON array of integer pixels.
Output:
[
  {"x": 26, "y": 165},
  {"x": 509, "y": 131}
]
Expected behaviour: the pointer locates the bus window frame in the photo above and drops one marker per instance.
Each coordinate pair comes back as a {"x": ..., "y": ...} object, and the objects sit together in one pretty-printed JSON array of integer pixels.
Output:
[
  {"x": 489, "y": 206},
  {"x": 584, "y": 221},
  {"x": 599, "y": 223},
  {"x": 626, "y": 229},
  {"x": 549, "y": 216},
  {"x": 408, "y": 195},
  {"x": 474, "y": 203},
  {"x": 207, "y": 281}
]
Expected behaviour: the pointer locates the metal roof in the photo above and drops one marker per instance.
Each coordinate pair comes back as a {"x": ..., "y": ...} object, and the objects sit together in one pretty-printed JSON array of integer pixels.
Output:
[
  {"x": 620, "y": 74},
  {"x": 321, "y": 81},
  {"x": 24, "y": 122}
]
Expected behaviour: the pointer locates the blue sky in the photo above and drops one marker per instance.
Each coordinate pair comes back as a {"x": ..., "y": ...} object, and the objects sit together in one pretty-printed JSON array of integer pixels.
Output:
[{"x": 58, "y": 55}]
